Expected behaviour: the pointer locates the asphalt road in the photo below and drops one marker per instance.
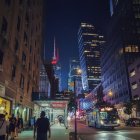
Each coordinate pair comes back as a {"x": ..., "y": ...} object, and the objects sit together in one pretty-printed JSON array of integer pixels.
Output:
[{"x": 120, "y": 133}]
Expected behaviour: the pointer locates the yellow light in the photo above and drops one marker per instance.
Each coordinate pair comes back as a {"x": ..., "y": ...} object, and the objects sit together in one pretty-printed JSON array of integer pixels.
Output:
[
  {"x": 79, "y": 71},
  {"x": 101, "y": 122},
  {"x": 110, "y": 94},
  {"x": 0, "y": 101}
]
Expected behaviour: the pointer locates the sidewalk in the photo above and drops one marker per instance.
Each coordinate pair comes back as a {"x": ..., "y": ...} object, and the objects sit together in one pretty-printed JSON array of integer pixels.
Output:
[{"x": 59, "y": 132}]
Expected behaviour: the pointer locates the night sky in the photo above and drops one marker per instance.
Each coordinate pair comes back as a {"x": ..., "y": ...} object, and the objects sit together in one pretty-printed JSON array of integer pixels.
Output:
[{"x": 62, "y": 19}]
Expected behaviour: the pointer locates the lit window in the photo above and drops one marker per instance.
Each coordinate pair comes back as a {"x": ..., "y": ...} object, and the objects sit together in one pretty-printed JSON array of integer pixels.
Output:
[
  {"x": 132, "y": 73},
  {"x": 134, "y": 85}
]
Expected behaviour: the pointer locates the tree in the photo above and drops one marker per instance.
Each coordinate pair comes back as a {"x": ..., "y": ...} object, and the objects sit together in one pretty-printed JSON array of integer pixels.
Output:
[
  {"x": 72, "y": 103},
  {"x": 100, "y": 97},
  {"x": 128, "y": 108}
]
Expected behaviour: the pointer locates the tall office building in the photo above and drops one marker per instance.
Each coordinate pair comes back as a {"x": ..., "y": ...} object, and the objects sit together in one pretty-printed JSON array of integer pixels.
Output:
[
  {"x": 121, "y": 49},
  {"x": 74, "y": 76},
  {"x": 20, "y": 49},
  {"x": 57, "y": 66},
  {"x": 90, "y": 42}
]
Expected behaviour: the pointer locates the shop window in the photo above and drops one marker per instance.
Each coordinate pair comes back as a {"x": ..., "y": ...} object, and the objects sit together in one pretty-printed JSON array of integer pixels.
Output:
[
  {"x": 1, "y": 57},
  {"x": 13, "y": 72},
  {"x": 22, "y": 81},
  {"x": 4, "y": 26}
]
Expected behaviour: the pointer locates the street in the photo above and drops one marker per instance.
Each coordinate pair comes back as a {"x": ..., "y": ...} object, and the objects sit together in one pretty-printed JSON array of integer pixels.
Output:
[
  {"x": 59, "y": 132},
  {"x": 121, "y": 133}
]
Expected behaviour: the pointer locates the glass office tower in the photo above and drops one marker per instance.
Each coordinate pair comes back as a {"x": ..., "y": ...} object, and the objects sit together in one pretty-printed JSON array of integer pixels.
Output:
[{"x": 89, "y": 42}]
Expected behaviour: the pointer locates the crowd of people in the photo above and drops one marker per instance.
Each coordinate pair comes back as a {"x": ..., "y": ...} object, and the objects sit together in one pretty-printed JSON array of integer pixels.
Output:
[{"x": 11, "y": 127}]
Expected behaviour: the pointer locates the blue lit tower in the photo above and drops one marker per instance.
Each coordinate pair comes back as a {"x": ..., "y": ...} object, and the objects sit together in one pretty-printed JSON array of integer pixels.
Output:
[
  {"x": 89, "y": 42},
  {"x": 74, "y": 66}
]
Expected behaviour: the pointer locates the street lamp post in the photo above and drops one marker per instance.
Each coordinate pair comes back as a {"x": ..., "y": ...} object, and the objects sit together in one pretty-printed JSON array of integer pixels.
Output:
[{"x": 75, "y": 122}]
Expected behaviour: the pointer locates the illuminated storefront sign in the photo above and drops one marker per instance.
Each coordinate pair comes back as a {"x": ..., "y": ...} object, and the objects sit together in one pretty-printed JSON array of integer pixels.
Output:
[
  {"x": 58, "y": 105},
  {"x": 4, "y": 106}
]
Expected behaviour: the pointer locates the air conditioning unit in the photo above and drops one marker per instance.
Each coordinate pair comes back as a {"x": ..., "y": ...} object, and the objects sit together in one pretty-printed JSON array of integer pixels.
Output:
[{"x": 1, "y": 68}]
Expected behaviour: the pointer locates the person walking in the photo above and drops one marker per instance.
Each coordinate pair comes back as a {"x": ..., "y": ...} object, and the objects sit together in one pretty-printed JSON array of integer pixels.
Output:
[
  {"x": 3, "y": 126},
  {"x": 43, "y": 126},
  {"x": 12, "y": 126}
]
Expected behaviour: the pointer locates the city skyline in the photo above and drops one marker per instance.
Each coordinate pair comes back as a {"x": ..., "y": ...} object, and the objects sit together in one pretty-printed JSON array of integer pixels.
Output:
[{"x": 59, "y": 24}]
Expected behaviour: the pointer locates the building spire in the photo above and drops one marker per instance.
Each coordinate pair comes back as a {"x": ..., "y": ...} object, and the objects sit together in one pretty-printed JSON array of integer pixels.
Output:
[
  {"x": 44, "y": 51},
  {"x": 54, "y": 53},
  {"x": 54, "y": 59}
]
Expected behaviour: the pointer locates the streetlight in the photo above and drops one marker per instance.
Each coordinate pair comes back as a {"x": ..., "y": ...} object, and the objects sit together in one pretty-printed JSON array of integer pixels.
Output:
[{"x": 78, "y": 72}]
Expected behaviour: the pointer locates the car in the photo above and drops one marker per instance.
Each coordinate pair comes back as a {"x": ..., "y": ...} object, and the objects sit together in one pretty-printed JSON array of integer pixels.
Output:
[{"x": 133, "y": 122}]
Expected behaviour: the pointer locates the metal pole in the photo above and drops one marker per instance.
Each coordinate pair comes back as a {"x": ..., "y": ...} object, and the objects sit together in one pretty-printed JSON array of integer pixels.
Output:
[{"x": 75, "y": 111}]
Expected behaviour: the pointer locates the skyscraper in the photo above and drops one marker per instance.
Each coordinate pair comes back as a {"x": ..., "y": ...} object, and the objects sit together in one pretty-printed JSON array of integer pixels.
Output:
[
  {"x": 89, "y": 42},
  {"x": 56, "y": 66},
  {"x": 73, "y": 75},
  {"x": 121, "y": 49}
]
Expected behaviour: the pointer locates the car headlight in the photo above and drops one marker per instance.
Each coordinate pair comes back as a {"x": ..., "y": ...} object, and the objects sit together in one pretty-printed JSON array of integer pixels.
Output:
[
  {"x": 118, "y": 121},
  {"x": 102, "y": 122}
]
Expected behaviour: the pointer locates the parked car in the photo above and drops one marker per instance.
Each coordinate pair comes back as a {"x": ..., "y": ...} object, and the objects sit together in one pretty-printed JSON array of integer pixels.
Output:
[{"x": 133, "y": 122}]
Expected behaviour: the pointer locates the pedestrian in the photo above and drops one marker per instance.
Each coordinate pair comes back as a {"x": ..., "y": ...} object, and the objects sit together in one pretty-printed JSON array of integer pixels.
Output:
[
  {"x": 12, "y": 126},
  {"x": 43, "y": 126},
  {"x": 3, "y": 127}
]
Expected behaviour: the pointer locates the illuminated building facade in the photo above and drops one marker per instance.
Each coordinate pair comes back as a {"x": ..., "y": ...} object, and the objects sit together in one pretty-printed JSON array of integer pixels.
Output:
[
  {"x": 73, "y": 75},
  {"x": 20, "y": 49},
  {"x": 134, "y": 76},
  {"x": 89, "y": 52},
  {"x": 44, "y": 83},
  {"x": 121, "y": 49},
  {"x": 57, "y": 66}
]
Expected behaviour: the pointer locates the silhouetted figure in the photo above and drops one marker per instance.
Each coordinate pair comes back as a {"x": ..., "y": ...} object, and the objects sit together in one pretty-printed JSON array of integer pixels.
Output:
[{"x": 43, "y": 126}]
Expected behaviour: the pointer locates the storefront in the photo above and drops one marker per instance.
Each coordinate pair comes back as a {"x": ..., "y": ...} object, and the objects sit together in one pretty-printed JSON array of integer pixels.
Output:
[{"x": 5, "y": 106}]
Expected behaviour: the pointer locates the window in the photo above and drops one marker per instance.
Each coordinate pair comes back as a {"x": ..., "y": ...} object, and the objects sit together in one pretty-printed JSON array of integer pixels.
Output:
[
  {"x": 25, "y": 36},
  {"x": 23, "y": 58},
  {"x": 13, "y": 72},
  {"x": 132, "y": 72},
  {"x": 20, "y": 2},
  {"x": 1, "y": 57},
  {"x": 28, "y": 86},
  {"x": 18, "y": 23},
  {"x": 30, "y": 49},
  {"x": 8, "y": 2},
  {"x": 16, "y": 45},
  {"x": 4, "y": 26},
  {"x": 22, "y": 81},
  {"x": 134, "y": 85}
]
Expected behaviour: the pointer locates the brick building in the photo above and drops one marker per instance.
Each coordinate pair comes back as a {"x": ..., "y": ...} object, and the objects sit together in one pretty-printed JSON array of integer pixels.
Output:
[{"x": 20, "y": 49}]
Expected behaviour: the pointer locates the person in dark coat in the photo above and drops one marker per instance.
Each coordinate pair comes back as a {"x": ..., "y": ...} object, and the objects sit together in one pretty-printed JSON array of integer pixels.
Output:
[
  {"x": 12, "y": 126},
  {"x": 43, "y": 126}
]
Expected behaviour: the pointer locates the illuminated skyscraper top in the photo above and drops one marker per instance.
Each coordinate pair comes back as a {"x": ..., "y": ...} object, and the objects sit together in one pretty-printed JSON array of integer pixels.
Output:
[
  {"x": 89, "y": 52},
  {"x": 56, "y": 65}
]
